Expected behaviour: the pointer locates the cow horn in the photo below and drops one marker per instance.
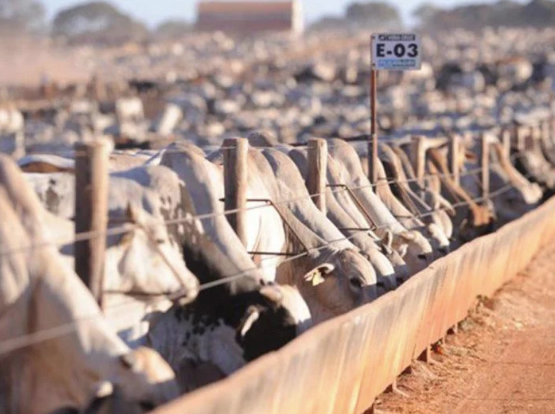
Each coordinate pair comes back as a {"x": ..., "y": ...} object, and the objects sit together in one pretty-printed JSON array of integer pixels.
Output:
[
  {"x": 104, "y": 389},
  {"x": 387, "y": 239},
  {"x": 252, "y": 316}
]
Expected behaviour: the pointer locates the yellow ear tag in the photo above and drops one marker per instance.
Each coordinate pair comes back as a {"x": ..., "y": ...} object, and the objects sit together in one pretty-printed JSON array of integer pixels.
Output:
[{"x": 317, "y": 279}]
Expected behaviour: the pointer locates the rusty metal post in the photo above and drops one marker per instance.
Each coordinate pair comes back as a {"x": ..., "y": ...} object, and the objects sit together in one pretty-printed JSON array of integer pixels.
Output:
[
  {"x": 317, "y": 167},
  {"x": 235, "y": 183},
  {"x": 454, "y": 157},
  {"x": 373, "y": 143},
  {"x": 484, "y": 166},
  {"x": 91, "y": 212}
]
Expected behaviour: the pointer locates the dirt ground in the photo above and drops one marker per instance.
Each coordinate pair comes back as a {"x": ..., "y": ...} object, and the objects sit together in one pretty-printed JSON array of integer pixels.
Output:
[{"x": 502, "y": 361}]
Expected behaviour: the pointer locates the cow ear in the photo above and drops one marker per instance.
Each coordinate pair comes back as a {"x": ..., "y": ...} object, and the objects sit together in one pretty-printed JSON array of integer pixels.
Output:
[
  {"x": 402, "y": 250},
  {"x": 272, "y": 293},
  {"x": 387, "y": 242},
  {"x": 317, "y": 276},
  {"x": 251, "y": 317},
  {"x": 407, "y": 236}
]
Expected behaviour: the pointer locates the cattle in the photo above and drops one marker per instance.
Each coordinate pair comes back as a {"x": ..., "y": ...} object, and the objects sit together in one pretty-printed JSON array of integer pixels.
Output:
[
  {"x": 430, "y": 207},
  {"x": 416, "y": 250},
  {"x": 210, "y": 250},
  {"x": 471, "y": 219},
  {"x": 65, "y": 349},
  {"x": 220, "y": 332},
  {"x": 432, "y": 231},
  {"x": 345, "y": 215},
  {"x": 46, "y": 163},
  {"x": 519, "y": 195},
  {"x": 232, "y": 322},
  {"x": 344, "y": 256},
  {"x": 11, "y": 132},
  {"x": 331, "y": 275},
  {"x": 321, "y": 274},
  {"x": 49, "y": 163},
  {"x": 532, "y": 162},
  {"x": 135, "y": 254}
]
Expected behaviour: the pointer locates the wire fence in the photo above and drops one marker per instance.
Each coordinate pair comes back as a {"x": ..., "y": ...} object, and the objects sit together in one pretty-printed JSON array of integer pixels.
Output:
[
  {"x": 13, "y": 344},
  {"x": 119, "y": 230}
]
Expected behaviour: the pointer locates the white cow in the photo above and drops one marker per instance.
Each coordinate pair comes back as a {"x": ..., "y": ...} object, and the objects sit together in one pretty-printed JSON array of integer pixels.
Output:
[
  {"x": 56, "y": 347},
  {"x": 135, "y": 255},
  {"x": 412, "y": 245}
]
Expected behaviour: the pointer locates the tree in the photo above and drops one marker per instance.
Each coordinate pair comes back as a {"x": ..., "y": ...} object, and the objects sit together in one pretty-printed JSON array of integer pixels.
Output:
[
  {"x": 425, "y": 13},
  {"x": 377, "y": 14},
  {"x": 21, "y": 16},
  {"x": 97, "y": 22},
  {"x": 173, "y": 29},
  {"x": 329, "y": 23}
]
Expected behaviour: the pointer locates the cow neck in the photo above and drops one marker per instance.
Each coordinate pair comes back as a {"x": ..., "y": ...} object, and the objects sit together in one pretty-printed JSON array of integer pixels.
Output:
[
  {"x": 514, "y": 176},
  {"x": 213, "y": 268},
  {"x": 449, "y": 183}
]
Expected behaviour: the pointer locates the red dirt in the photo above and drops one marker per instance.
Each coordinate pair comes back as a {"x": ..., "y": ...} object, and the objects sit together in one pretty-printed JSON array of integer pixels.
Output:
[{"x": 502, "y": 361}]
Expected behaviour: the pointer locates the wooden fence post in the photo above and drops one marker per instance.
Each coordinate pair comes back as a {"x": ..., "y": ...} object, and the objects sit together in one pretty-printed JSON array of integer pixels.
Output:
[
  {"x": 484, "y": 165},
  {"x": 520, "y": 138},
  {"x": 235, "y": 182},
  {"x": 418, "y": 158},
  {"x": 545, "y": 129},
  {"x": 91, "y": 212},
  {"x": 454, "y": 157},
  {"x": 537, "y": 137},
  {"x": 531, "y": 138},
  {"x": 506, "y": 142},
  {"x": 317, "y": 167}
]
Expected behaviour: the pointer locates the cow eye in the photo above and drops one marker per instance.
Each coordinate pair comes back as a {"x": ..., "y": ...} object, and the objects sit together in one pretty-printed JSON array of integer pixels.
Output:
[
  {"x": 147, "y": 405},
  {"x": 421, "y": 256},
  {"x": 356, "y": 282}
]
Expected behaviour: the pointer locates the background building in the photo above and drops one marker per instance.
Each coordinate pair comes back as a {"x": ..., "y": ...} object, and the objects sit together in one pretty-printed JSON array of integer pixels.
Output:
[{"x": 247, "y": 17}]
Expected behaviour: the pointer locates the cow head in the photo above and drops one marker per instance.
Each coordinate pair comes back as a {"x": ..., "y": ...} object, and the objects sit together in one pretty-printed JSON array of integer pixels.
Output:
[
  {"x": 402, "y": 272},
  {"x": 273, "y": 321},
  {"x": 414, "y": 249},
  {"x": 335, "y": 282},
  {"x": 146, "y": 259},
  {"x": 439, "y": 241},
  {"x": 142, "y": 381}
]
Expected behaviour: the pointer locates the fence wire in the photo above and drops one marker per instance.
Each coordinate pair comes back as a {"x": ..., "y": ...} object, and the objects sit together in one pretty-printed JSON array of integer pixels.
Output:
[{"x": 34, "y": 338}]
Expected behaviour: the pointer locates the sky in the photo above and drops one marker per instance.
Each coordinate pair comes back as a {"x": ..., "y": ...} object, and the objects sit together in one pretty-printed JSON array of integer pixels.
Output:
[{"x": 154, "y": 11}]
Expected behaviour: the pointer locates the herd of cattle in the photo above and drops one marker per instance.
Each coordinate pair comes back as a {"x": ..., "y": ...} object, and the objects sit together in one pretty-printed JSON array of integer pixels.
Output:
[{"x": 184, "y": 302}]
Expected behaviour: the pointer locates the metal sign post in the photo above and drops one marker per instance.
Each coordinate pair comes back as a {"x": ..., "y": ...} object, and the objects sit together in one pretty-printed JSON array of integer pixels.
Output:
[
  {"x": 389, "y": 52},
  {"x": 373, "y": 143}
]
